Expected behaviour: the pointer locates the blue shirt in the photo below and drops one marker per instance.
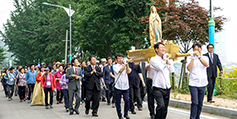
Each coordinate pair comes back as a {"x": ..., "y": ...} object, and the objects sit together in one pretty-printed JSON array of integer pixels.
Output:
[
  {"x": 11, "y": 80},
  {"x": 15, "y": 73},
  {"x": 31, "y": 77},
  {"x": 82, "y": 71}
]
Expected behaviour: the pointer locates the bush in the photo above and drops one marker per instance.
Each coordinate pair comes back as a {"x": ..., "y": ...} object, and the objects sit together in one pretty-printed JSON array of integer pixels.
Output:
[{"x": 227, "y": 84}]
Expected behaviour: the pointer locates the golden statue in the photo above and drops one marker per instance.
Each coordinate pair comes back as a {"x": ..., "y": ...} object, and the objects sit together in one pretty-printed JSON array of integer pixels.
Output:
[
  {"x": 155, "y": 29},
  {"x": 155, "y": 32}
]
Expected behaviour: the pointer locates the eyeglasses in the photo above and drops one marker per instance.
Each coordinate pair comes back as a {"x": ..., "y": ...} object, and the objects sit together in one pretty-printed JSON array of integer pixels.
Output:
[{"x": 210, "y": 47}]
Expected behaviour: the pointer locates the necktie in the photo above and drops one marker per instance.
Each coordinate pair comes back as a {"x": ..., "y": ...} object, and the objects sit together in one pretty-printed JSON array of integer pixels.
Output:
[
  {"x": 75, "y": 70},
  {"x": 211, "y": 59}
]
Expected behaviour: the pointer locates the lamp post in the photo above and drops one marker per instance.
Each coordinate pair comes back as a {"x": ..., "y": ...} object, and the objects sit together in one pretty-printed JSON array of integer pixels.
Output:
[
  {"x": 211, "y": 25},
  {"x": 70, "y": 13}
]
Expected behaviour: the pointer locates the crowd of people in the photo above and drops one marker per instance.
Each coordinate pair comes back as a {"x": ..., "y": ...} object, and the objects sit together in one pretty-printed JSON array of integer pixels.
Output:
[{"x": 110, "y": 80}]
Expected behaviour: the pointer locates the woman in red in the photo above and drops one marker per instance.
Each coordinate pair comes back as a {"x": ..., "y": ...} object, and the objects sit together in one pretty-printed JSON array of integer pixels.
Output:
[{"x": 48, "y": 84}]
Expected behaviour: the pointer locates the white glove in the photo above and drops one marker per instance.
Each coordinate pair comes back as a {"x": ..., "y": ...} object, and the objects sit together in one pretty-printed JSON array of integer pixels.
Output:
[
  {"x": 194, "y": 56},
  {"x": 165, "y": 56},
  {"x": 125, "y": 62}
]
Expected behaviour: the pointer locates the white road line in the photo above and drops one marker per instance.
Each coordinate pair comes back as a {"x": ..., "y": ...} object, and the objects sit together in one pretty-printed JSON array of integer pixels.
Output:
[{"x": 183, "y": 112}]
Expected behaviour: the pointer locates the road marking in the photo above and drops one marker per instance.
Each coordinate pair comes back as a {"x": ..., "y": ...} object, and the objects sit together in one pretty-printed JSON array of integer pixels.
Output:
[{"x": 182, "y": 112}]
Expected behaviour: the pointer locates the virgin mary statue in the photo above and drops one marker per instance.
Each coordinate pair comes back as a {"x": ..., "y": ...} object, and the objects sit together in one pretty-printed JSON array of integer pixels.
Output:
[{"x": 154, "y": 27}]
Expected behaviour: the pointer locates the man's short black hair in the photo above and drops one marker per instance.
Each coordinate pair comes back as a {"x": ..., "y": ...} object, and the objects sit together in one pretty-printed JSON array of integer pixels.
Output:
[
  {"x": 73, "y": 60},
  {"x": 91, "y": 57},
  {"x": 109, "y": 58},
  {"x": 157, "y": 45},
  {"x": 83, "y": 61},
  {"x": 32, "y": 65},
  {"x": 11, "y": 68},
  {"x": 118, "y": 55},
  {"x": 197, "y": 44},
  {"x": 209, "y": 45}
]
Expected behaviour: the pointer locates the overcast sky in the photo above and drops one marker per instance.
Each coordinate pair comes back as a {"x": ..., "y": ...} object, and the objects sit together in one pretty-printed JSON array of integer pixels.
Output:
[{"x": 227, "y": 35}]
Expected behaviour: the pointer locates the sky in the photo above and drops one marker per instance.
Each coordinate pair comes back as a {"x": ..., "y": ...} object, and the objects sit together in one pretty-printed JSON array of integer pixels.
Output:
[{"x": 226, "y": 38}]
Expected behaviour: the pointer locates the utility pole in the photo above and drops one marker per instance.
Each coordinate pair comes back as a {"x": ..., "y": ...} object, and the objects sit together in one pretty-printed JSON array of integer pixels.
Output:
[{"x": 66, "y": 47}]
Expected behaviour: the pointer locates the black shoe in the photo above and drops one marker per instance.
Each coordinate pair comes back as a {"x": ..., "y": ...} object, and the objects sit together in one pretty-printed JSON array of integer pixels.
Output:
[
  {"x": 95, "y": 115},
  {"x": 152, "y": 116},
  {"x": 71, "y": 112},
  {"x": 87, "y": 112},
  {"x": 46, "y": 107},
  {"x": 126, "y": 116},
  {"x": 121, "y": 117},
  {"x": 77, "y": 112},
  {"x": 67, "y": 109},
  {"x": 133, "y": 112},
  {"x": 108, "y": 103},
  {"x": 103, "y": 100},
  {"x": 211, "y": 101}
]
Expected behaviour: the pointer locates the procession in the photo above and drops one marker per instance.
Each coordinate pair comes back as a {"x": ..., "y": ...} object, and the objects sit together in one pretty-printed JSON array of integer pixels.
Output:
[{"x": 130, "y": 82}]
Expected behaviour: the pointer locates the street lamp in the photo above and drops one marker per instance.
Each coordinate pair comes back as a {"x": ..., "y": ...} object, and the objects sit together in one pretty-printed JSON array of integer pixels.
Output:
[{"x": 70, "y": 13}]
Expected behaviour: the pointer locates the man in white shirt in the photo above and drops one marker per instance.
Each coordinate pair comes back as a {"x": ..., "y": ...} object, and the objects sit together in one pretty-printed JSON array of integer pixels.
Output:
[
  {"x": 121, "y": 71},
  {"x": 197, "y": 80},
  {"x": 161, "y": 66}
]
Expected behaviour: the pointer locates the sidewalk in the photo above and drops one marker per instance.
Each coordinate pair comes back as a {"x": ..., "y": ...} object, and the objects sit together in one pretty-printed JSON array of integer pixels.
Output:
[{"x": 223, "y": 107}]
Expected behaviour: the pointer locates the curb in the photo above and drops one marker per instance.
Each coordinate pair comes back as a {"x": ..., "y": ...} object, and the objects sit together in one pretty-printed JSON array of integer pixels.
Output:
[{"x": 227, "y": 112}]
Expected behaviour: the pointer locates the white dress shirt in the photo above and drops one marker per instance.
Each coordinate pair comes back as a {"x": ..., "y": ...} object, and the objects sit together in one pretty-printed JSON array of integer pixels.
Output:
[
  {"x": 198, "y": 74},
  {"x": 122, "y": 80},
  {"x": 160, "y": 71}
]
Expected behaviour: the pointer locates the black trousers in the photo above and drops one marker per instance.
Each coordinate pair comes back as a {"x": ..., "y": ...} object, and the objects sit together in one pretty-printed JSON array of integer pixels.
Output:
[
  {"x": 162, "y": 97},
  {"x": 118, "y": 93},
  {"x": 143, "y": 91},
  {"x": 31, "y": 89},
  {"x": 46, "y": 90},
  {"x": 134, "y": 94},
  {"x": 21, "y": 92},
  {"x": 210, "y": 87},
  {"x": 150, "y": 97},
  {"x": 110, "y": 93},
  {"x": 197, "y": 95},
  {"x": 83, "y": 90},
  {"x": 59, "y": 96},
  {"x": 10, "y": 90},
  {"x": 93, "y": 95}
]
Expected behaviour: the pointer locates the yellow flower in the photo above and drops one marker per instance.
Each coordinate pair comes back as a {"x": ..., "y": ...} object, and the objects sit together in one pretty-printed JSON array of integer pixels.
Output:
[{"x": 234, "y": 83}]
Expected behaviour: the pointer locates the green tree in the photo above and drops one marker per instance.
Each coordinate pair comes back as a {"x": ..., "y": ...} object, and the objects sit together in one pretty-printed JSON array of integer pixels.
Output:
[
  {"x": 35, "y": 31},
  {"x": 2, "y": 55},
  {"x": 111, "y": 26}
]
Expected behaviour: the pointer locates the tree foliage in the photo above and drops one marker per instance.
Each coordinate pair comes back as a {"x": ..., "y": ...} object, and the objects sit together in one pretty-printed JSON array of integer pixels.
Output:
[
  {"x": 35, "y": 31},
  {"x": 111, "y": 26},
  {"x": 185, "y": 22},
  {"x": 2, "y": 55}
]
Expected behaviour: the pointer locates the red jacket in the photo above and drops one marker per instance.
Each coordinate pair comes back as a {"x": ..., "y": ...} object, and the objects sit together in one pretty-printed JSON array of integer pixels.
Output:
[{"x": 43, "y": 81}]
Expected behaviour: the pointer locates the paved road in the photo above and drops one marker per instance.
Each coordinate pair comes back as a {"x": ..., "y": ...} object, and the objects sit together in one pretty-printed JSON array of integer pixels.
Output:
[{"x": 23, "y": 110}]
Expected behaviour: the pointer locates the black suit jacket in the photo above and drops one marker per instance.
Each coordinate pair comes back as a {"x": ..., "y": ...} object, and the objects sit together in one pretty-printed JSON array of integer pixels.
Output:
[
  {"x": 93, "y": 79},
  {"x": 106, "y": 75},
  {"x": 212, "y": 69}
]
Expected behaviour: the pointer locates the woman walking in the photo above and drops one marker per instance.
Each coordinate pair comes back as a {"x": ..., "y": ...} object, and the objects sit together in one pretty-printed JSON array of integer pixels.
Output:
[
  {"x": 64, "y": 82},
  {"x": 38, "y": 95},
  {"x": 21, "y": 83},
  {"x": 48, "y": 84},
  {"x": 57, "y": 76},
  {"x": 10, "y": 83}
]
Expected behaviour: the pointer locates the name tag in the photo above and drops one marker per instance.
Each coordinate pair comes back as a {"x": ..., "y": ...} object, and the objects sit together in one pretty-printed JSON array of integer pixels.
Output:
[
  {"x": 48, "y": 83},
  {"x": 11, "y": 79}
]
